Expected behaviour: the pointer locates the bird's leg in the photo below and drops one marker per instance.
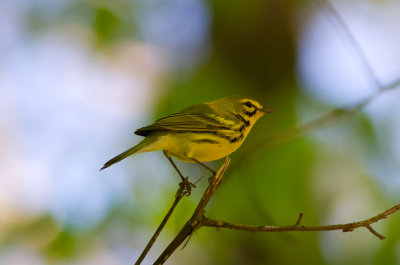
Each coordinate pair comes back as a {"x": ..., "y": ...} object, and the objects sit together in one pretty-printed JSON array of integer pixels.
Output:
[
  {"x": 204, "y": 165},
  {"x": 167, "y": 155},
  {"x": 185, "y": 182},
  {"x": 207, "y": 167}
]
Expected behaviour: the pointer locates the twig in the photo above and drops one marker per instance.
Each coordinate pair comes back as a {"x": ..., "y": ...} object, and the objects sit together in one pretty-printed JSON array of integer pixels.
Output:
[
  {"x": 329, "y": 118},
  {"x": 375, "y": 233},
  {"x": 182, "y": 191},
  {"x": 331, "y": 10},
  {"x": 196, "y": 220},
  {"x": 349, "y": 227},
  {"x": 321, "y": 122},
  {"x": 299, "y": 219}
]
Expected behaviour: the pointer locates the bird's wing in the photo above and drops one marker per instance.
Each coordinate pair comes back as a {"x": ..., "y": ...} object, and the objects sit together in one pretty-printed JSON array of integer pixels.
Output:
[{"x": 196, "y": 118}]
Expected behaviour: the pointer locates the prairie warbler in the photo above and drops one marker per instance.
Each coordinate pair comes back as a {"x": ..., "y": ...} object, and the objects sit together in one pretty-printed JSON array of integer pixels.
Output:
[{"x": 199, "y": 133}]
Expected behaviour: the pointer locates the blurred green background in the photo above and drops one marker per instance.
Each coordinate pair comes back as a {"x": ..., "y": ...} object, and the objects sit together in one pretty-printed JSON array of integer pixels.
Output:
[{"x": 77, "y": 77}]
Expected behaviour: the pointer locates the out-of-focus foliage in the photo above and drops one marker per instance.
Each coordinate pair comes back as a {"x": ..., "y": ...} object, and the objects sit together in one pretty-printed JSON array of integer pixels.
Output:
[{"x": 104, "y": 68}]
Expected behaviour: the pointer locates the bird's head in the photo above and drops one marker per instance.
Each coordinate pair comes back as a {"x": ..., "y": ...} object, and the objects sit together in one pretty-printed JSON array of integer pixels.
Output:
[{"x": 246, "y": 108}]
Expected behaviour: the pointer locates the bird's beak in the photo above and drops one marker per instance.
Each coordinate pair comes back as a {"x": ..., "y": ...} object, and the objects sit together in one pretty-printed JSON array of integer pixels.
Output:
[{"x": 265, "y": 110}]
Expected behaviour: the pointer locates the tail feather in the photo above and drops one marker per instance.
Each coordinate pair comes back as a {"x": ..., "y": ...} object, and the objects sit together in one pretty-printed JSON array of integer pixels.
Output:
[
  {"x": 147, "y": 145},
  {"x": 121, "y": 156}
]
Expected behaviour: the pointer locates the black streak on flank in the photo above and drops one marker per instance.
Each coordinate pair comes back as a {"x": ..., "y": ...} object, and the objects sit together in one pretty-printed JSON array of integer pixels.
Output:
[
  {"x": 234, "y": 140},
  {"x": 210, "y": 132},
  {"x": 209, "y": 141},
  {"x": 221, "y": 135}
]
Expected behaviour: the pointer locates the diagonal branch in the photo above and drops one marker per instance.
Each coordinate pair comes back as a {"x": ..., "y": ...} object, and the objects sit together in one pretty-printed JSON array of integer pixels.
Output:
[
  {"x": 196, "y": 220},
  {"x": 344, "y": 29},
  {"x": 349, "y": 227},
  {"x": 182, "y": 191}
]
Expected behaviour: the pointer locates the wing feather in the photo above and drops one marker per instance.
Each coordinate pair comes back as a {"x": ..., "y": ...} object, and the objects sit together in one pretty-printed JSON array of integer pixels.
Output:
[{"x": 195, "y": 118}]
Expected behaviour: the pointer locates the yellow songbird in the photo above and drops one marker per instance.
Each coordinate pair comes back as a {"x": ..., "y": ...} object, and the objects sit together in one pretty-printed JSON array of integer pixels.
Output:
[{"x": 199, "y": 133}]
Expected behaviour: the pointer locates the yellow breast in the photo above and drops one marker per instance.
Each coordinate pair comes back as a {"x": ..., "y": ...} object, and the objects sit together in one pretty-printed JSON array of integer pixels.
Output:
[{"x": 203, "y": 146}]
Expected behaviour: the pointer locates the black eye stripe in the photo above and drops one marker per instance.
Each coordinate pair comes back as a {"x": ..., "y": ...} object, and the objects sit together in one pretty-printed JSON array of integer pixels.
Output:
[{"x": 248, "y": 104}]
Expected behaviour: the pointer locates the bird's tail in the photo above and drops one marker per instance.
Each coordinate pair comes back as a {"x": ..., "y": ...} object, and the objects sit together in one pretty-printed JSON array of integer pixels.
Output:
[{"x": 147, "y": 145}]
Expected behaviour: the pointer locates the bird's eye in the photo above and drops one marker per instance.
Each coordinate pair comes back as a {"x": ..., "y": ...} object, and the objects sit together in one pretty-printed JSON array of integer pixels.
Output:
[{"x": 248, "y": 104}]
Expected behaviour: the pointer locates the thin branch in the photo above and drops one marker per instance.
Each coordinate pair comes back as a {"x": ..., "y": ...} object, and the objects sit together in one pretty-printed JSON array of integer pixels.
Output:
[
  {"x": 329, "y": 118},
  {"x": 298, "y": 131},
  {"x": 195, "y": 221},
  {"x": 375, "y": 233},
  {"x": 182, "y": 191},
  {"x": 331, "y": 10},
  {"x": 349, "y": 227},
  {"x": 298, "y": 222}
]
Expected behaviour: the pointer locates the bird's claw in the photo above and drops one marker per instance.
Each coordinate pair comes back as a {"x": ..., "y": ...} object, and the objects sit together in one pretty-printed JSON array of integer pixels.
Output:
[
  {"x": 210, "y": 179},
  {"x": 186, "y": 187}
]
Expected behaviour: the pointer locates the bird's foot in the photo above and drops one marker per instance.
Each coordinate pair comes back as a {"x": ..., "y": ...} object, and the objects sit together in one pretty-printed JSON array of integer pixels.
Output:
[
  {"x": 210, "y": 179},
  {"x": 186, "y": 187}
]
